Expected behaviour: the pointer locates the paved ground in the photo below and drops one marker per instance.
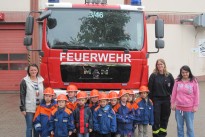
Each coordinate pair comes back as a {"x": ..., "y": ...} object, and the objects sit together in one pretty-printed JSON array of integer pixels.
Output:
[{"x": 12, "y": 123}]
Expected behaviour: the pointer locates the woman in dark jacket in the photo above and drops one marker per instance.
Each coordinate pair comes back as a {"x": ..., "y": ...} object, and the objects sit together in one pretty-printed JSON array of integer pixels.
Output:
[{"x": 160, "y": 85}]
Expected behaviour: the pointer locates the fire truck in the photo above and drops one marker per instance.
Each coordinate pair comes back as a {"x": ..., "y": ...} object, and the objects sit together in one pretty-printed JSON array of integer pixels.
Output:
[{"x": 93, "y": 45}]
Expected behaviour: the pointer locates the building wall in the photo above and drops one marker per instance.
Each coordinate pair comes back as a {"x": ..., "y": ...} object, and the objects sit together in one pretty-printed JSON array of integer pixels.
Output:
[
  {"x": 181, "y": 40},
  {"x": 15, "y": 5},
  {"x": 186, "y": 6}
]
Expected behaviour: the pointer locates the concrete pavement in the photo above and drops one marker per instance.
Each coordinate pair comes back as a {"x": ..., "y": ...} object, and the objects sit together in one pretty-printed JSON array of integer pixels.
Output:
[{"x": 12, "y": 123}]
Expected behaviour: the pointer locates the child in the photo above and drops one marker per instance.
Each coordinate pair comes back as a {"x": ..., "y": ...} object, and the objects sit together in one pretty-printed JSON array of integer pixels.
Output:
[
  {"x": 185, "y": 101},
  {"x": 94, "y": 94},
  {"x": 43, "y": 112},
  {"x": 113, "y": 96},
  {"x": 104, "y": 118},
  {"x": 83, "y": 116},
  {"x": 72, "y": 91},
  {"x": 61, "y": 121},
  {"x": 125, "y": 115},
  {"x": 143, "y": 108},
  {"x": 131, "y": 96}
]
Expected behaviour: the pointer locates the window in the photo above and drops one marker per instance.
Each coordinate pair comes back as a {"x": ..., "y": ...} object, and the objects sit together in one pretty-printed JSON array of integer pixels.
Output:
[
  {"x": 13, "y": 61},
  {"x": 18, "y": 57},
  {"x": 3, "y": 57},
  {"x": 3, "y": 66}
]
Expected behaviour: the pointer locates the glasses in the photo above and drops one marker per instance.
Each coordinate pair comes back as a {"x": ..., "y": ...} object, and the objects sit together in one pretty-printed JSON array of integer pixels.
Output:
[{"x": 159, "y": 64}]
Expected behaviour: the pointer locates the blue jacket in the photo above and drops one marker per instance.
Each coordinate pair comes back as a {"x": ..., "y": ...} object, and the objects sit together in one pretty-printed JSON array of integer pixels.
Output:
[
  {"x": 93, "y": 106},
  {"x": 143, "y": 111},
  {"x": 41, "y": 118},
  {"x": 61, "y": 122},
  {"x": 83, "y": 119},
  {"x": 125, "y": 117},
  {"x": 104, "y": 120}
]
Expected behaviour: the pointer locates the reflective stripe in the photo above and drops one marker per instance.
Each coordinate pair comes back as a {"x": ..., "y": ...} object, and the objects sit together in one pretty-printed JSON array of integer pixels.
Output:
[
  {"x": 156, "y": 131},
  {"x": 37, "y": 125},
  {"x": 163, "y": 130}
]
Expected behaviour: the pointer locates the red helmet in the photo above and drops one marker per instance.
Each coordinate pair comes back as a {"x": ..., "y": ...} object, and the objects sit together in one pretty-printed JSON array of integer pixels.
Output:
[
  {"x": 48, "y": 91},
  {"x": 82, "y": 94},
  {"x": 113, "y": 95},
  {"x": 130, "y": 92},
  {"x": 94, "y": 93},
  {"x": 62, "y": 97},
  {"x": 122, "y": 92},
  {"x": 103, "y": 95},
  {"x": 72, "y": 88},
  {"x": 143, "y": 89}
]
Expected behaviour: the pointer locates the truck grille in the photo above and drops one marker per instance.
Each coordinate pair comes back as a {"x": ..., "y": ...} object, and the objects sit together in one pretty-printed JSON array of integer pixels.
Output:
[{"x": 95, "y": 72}]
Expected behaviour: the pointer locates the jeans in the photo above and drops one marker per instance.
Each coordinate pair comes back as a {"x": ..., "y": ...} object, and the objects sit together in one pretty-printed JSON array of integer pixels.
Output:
[
  {"x": 29, "y": 125},
  {"x": 83, "y": 135},
  {"x": 188, "y": 118}
]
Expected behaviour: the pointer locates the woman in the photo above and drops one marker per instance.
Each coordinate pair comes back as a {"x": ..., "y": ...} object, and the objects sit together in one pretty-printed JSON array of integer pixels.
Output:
[
  {"x": 160, "y": 85},
  {"x": 185, "y": 101},
  {"x": 31, "y": 89}
]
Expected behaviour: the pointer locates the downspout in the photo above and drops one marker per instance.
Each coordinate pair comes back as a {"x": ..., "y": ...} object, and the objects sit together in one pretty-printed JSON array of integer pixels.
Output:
[{"x": 35, "y": 55}]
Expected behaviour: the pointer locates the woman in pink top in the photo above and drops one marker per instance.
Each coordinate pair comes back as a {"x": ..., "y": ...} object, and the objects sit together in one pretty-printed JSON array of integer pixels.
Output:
[{"x": 185, "y": 101}]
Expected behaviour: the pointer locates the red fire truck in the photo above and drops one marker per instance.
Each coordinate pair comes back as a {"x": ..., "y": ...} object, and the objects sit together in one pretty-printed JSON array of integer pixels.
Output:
[{"x": 93, "y": 45}]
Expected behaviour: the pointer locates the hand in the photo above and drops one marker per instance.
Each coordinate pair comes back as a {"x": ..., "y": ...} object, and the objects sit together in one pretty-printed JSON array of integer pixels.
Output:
[
  {"x": 173, "y": 107},
  {"x": 37, "y": 93},
  {"x": 125, "y": 120},
  {"x": 23, "y": 113},
  {"x": 38, "y": 129},
  {"x": 74, "y": 130},
  {"x": 194, "y": 109},
  {"x": 52, "y": 133},
  {"x": 90, "y": 130},
  {"x": 70, "y": 132}
]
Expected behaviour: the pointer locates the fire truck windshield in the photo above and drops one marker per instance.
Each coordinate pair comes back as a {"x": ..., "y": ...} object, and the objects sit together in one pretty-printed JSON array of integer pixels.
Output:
[{"x": 95, "y": 29}]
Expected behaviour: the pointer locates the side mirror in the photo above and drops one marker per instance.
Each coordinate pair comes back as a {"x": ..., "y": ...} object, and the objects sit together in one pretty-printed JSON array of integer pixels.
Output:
[
  {"x": 27, "y": 41},
  {"x": 51, "y": 23},
  {"x": 159, "y": 43},
  {"x": 44, "y": 15},
  {"x": 159, "y": 28},
  {"x": 29, "y": 25}
]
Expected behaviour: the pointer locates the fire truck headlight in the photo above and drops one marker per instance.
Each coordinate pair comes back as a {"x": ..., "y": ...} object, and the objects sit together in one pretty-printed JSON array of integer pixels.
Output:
[{"x": 136, "y": 2}]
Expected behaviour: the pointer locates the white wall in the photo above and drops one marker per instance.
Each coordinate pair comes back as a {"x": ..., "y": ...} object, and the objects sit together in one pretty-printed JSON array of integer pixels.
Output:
[
  {"x": 181, "y": 40},
  {"x": 174, "y": 5},
  {"x": 181, "y": 45},
  {"x": 15, "y": 5}
]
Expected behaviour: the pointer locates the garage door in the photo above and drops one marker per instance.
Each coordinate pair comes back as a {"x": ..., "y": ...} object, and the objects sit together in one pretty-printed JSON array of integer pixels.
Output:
[{"x": 13, "y": 56}]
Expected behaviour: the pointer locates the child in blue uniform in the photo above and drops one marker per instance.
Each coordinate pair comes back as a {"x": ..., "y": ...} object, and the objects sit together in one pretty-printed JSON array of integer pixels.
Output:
[
  {"x": 43, "y": 112},
  {"x": 125, "y": 116},
  {"x": 61, "y": 121},
  {"x": 104, "y": 118},
  {"x": 143, "y": 108}
]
